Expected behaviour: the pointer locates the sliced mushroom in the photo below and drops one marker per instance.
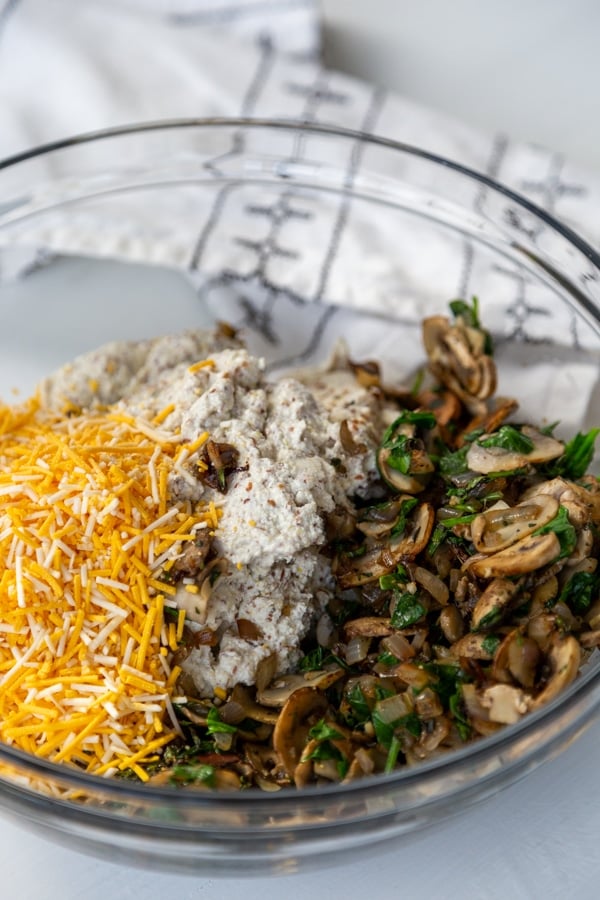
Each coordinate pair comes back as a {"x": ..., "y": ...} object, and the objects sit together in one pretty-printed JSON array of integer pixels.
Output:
[
  {"x": 542, "y": 628},
  {"x": 473, "y": 646},
  {"x": 347, "y": 440},
  {"x": 415, "y": 536},
  {"x": 518, "y": 658},
  {"x": 384, "y": 558},
  {"x": 451, "y": 623},
  {"x": 505, "y": 704},
  {"x": 493, "y": 603},
  {"x": 368, "y": 626},
  {"x": 266, "y": 671},
  {"x": 543, "y": 593},
  {"x": 444, "y": 405},
  {"x": 565, "y": 658},
  {"x": 586, "y": 496},
  {"x": 486, "y": 460},
  {"x": 497, "y": 410},
  {"x": 265, "y": 763},
  {"x": 472, "y": 702},
  {"x": 431, "y": 739},
  {"x": 583, "y": 547},
  {"x": 242, "y": 696},
  {"x": 364, "y": 569},
  {"x": 417, "y": 465},
  {"x": 280, "y": 690},
  {"x": 457, "y": 357},
  {"x": 303, "y": 708},
  {"x": 367, "y": 372},
  {"x": 308, "y": 768},
  {"x": 524, "y": 556},
  {"x": 412, "y": 482},
  {"x": 303, "y": 771},
  {"x": 376, "y": 521},
  {"x": 582, "y": 503},
  {"x": 501, "y": 526},
  {"x": 589, "y": 639}
]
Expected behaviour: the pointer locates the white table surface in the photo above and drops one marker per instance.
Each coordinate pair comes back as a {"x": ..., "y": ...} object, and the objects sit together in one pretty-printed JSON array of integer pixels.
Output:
[{"x": 538, "y": 838}]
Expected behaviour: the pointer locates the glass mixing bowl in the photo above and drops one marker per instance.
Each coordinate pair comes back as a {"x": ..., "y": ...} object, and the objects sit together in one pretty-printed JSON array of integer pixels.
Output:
[{"x": 298, "y": 235}]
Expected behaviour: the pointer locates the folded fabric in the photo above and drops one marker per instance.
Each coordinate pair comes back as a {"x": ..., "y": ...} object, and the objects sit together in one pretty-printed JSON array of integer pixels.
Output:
[{"x": 67, "y": 68}]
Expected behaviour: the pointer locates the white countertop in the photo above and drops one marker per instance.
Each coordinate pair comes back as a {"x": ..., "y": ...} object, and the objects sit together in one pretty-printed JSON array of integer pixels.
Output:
[{"x": 539, "y": 838}]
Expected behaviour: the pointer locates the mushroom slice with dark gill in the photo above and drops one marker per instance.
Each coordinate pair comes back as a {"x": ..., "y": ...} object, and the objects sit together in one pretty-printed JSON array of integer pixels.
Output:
[
  {"x": 527, "y": 555},
  {"x": 302, "y": 710},
  {"x": 457, "y": 356},
  {"x": 503, "y": 525},
  {"x": 485, "y": 457},
  {"x": 384, "y": 557}
]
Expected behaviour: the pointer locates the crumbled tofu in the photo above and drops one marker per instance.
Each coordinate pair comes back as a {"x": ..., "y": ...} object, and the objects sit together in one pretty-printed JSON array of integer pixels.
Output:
[{"x": 292, "y": 471}]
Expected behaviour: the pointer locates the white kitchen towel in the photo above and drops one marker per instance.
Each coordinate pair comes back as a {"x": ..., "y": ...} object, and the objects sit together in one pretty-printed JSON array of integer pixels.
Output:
[{"x": 68, "y": 67}]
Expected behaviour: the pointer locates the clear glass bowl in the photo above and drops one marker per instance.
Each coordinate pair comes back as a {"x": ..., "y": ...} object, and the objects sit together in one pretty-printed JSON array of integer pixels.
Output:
[{"x": 299, "y": 235}]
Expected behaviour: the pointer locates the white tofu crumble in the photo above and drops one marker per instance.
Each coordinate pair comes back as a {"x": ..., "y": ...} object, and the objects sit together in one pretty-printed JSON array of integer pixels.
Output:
[{"x": 292, "y": 471}]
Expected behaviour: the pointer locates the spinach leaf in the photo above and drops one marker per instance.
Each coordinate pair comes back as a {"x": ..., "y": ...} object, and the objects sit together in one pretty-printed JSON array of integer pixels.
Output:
[
  {"x": 437, "y": 538},
  {"x": 190, "y": 774},
  {"x": 387, "y": 659},
  {"x": 565, "y": 532},
  {"x": 407, "y": 610},
  {"x": 577, "y": 456},
  {"x": 385, "y": 732},
  {"x": 359, "y": 704},
  {"x": 455, "y": 705},
  {"x": 469, "y": 313},
  {"x": 399, "y": 457},
  {"x": 392, "y": 757},
  {"x": 313, "y": 660},
  {"x": 509, "y": 438},
  {"x": 446, "y": 679},
  {"x": 420, "y": 418},
  {"x": 406, "y": 508},
  {"x": 490, "y": 643},
  {"x": 454, "y": 463},
  {"x": 322, "y": 731},
  {"x": 579, "y": 592},
  {"x": 470, "y": 316},
  {"x": 214, "y": 724},
  {"x": 392, "y": 579}
]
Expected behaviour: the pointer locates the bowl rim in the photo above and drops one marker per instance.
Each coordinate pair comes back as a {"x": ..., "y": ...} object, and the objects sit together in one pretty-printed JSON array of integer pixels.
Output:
[
  {"x": 264, "y": 123},
  {"x": 446, "y": 763},
  {"x": 121, "y": 790}
]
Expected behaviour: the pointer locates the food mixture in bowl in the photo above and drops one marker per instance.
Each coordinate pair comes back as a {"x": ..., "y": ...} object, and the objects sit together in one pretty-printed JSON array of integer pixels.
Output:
[{"x": 215, "y": 579}]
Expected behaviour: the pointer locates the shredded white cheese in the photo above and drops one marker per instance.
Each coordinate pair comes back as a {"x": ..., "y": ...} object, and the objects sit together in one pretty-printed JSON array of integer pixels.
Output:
[{"x": 85, "y": 676}]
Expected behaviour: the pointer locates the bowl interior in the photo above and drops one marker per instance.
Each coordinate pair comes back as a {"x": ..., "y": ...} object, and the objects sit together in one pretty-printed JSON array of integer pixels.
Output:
[{"x": 299, "y": 237}]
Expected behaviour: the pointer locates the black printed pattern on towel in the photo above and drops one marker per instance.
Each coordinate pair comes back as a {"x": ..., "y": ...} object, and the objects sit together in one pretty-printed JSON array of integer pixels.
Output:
[
  {"x": 497, "y": 154},
  {"x": 262, "y": 303},
  {"x": 551, "y": 188}
]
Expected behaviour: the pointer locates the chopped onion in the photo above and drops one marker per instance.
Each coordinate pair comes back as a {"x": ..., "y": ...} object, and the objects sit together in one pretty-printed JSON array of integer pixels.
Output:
[
  {"x": 357, "y": 649},
  {"x": 393, "y": 708},
  {"x": 434, "y": 585}
]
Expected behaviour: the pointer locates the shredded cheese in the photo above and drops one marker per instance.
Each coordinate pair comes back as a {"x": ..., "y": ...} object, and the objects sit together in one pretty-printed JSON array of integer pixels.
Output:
[{"x": 84, "y": 646}]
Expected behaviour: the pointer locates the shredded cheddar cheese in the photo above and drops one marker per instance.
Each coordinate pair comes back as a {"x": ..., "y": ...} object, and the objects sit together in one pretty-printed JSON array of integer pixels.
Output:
[{"x": 86, "y": 531}]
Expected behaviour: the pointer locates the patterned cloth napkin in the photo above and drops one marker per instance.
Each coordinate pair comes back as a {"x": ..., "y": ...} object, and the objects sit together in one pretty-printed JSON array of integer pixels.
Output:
[
  {"x": 68, "y": 67},
  {"x": 71, "y": 67}
]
